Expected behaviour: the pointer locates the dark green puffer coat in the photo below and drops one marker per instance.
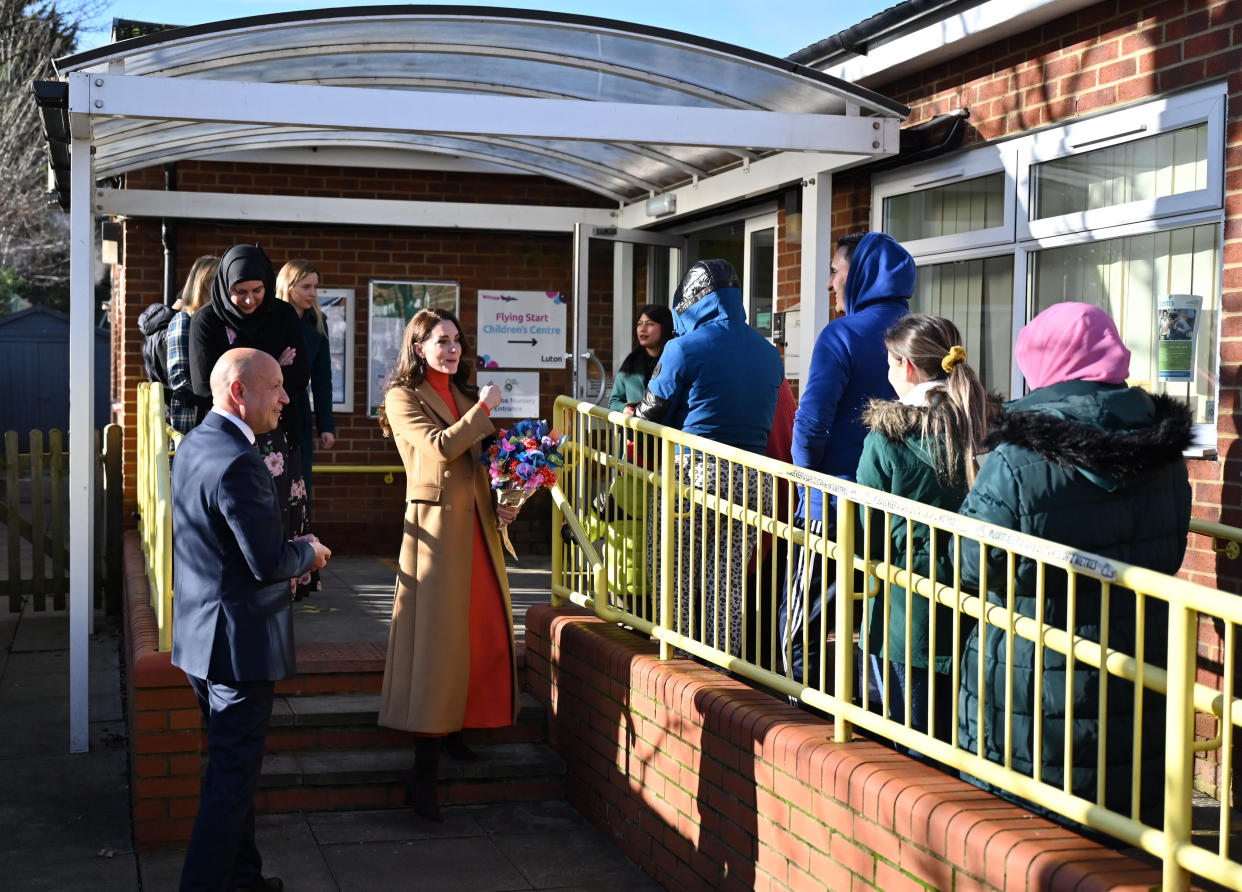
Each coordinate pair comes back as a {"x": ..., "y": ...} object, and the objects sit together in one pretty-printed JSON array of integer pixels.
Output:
[
  {"x": 895, "y": 459},
  {"x": 1097, "y": 467}
]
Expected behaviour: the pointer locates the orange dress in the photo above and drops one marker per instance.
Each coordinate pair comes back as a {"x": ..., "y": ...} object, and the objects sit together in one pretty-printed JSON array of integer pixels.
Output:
[{"x": 488, "y": 700}]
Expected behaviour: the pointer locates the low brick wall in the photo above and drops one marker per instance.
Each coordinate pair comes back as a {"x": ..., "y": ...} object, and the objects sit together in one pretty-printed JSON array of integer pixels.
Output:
[
  {"x": 710, "y": 784},
  {"x": 165, "y": 726}
]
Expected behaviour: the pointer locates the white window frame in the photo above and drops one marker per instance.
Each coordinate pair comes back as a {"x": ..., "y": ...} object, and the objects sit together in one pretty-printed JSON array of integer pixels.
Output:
[
  {"x": 376, "y": 377},
  {"x": 1202, "y": 106},
  {"x": 345, "y": 296},
  {"x": 958, "y": 168},
  {"x": 1205, "y": 104}
]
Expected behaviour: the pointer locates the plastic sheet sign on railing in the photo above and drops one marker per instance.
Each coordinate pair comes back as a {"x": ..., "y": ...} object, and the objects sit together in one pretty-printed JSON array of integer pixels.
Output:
[{"x": 696, "y": 544}]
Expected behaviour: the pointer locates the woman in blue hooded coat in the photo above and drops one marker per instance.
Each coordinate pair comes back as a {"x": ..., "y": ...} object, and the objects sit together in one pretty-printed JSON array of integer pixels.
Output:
[{"x": 717, "y": 379}]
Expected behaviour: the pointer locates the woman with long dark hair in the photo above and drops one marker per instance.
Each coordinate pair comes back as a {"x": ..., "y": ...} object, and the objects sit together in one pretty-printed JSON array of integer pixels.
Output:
[
  {"x": 450, "y": 661},
  {"x": 653, "y": 330}
]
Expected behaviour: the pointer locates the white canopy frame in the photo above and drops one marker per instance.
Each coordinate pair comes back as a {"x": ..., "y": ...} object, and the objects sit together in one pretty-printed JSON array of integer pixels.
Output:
[{"x": 618, "y": 109}]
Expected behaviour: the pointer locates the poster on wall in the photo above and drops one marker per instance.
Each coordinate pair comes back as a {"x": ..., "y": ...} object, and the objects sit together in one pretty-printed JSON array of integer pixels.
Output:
[
  {"x": 519, "y": 392},
  {"x": 338, "y": 314},
  {"x": 391, "y": 306},
  {"x": 521, "y": 329},
  {"x": 1177, "y": 320}
]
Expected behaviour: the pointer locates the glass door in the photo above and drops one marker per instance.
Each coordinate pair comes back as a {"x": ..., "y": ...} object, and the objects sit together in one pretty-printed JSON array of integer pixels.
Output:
[
  {"x": 759, "y": 276},
  {"x": 749, "y": 243},
  {"x": 664, "y": 251}
]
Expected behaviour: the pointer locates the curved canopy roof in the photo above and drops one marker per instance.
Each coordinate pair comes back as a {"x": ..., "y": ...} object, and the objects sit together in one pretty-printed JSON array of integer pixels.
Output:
[{"x": 462, "y": 53}]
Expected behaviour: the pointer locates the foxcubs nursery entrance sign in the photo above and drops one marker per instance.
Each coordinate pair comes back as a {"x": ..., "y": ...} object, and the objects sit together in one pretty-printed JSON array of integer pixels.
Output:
[{"x": 521, "y": 330}]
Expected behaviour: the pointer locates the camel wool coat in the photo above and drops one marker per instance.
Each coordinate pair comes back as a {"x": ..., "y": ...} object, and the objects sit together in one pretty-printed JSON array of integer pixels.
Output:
[{"x": 426, "y": 674}]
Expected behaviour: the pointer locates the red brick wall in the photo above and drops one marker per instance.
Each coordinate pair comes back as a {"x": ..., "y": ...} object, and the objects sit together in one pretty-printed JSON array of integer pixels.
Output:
[
  {"x": 360, "y": 514},
  {"x": 710, "y": 784}
]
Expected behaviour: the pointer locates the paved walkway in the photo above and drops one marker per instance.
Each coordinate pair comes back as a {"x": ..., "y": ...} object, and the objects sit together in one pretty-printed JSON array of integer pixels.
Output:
[{"x": 65, "y": 819}]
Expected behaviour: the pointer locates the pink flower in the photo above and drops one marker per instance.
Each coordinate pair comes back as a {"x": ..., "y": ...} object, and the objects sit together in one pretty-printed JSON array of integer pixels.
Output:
[
  {"x": 298, "y": 489},
  {"x": 275, "y": 462}
]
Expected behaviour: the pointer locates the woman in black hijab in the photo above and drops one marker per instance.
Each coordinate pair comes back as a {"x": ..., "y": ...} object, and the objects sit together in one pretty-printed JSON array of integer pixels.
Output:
[{"x": 244, "y": 312}]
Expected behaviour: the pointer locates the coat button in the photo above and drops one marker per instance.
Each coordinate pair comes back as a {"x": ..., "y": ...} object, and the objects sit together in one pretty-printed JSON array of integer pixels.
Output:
[
  {"x": 448, "y": 473},
  {"x": 448, "y": 507}
]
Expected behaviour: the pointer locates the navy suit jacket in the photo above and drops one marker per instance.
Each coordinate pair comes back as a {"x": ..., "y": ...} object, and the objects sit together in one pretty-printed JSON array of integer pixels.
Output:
[{"x": 232, "y": 616}]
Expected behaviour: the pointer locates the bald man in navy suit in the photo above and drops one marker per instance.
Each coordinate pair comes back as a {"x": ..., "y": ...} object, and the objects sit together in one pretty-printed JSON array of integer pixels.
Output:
[{"x": 232, "y": 618}]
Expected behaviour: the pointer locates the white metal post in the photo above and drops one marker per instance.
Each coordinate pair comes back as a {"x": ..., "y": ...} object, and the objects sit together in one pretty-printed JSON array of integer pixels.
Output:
[
  {"x": 582, "y": 252},
  {"x": 816, "y": 264},
  {"x": 81, "y": 443},
  {"x": 622, "y": 302}
]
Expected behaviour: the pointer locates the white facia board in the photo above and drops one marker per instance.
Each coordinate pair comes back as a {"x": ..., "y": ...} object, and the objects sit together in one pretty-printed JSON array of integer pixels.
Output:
[
  {"x": 519, "y": 392},
  {"x": 521, "y": 329}
]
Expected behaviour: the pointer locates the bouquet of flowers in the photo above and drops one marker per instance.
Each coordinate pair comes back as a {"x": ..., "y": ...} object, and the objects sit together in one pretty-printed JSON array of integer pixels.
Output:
[{"x": 520, "y": 461}]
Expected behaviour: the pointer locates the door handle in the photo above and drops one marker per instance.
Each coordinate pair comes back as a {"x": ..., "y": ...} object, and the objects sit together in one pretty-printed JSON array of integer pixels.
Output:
[{"x": 590, "y": 356}]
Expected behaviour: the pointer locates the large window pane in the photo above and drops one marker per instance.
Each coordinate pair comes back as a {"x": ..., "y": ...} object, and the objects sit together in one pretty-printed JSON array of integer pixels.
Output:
[
  {"x": 978, "y": 296},
  {"x": 1140, "y": 170},
  {"x": 946, "y": 210},
  {"x": 1126, "y": 277}
]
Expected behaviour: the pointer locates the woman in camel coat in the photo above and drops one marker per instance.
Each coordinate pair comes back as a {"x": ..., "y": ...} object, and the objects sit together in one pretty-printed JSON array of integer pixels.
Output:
[{"x": 450, "y": 661}]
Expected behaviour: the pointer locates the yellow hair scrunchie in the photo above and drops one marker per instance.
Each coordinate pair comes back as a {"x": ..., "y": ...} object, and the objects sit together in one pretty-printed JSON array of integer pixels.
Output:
[{"x": 955, "y": 355}]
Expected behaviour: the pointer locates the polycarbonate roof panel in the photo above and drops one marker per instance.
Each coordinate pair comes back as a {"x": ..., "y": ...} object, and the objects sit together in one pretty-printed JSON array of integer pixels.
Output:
[{"x": 477, "y": 50}]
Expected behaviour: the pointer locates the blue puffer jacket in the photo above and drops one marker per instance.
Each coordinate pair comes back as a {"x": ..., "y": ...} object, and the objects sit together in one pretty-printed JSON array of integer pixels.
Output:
[
  {"x": 719, "y": 378},
  {"x": 849, "y": 365}
]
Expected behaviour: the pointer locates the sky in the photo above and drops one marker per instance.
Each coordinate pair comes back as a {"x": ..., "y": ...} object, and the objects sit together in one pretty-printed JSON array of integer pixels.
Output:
[{"x": 777, "y": 27}]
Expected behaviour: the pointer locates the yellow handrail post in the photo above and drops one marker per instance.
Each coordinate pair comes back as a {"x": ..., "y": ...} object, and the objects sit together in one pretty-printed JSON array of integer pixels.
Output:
[
  {"x": 558, "y": 544},
  {"x": 666, "y": 619},
  {"x": 843, "y": 647},
  {"x": 1179, "y": 745}
]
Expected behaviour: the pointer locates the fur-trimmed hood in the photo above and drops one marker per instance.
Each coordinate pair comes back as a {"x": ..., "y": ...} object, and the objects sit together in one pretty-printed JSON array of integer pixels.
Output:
[
  {"x": 1109, "y": 432},
  {"x": 893, "y": 419},
  {"x": 899, "y": 422}
]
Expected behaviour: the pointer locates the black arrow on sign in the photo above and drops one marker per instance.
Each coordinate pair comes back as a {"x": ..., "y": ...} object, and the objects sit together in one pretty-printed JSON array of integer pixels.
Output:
[{"x": 532, "y": 342}]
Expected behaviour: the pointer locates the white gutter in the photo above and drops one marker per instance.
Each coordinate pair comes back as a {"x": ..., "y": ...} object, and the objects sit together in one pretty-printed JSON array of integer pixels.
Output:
[{"x": 950, "y": 38}]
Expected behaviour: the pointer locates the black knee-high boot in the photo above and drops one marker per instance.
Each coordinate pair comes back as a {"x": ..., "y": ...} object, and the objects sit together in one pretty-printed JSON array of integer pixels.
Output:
[{"x": 421, "y": 788}]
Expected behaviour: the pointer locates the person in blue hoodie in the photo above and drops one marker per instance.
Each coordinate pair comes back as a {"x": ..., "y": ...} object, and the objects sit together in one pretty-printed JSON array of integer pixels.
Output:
[
  {"x": 717, "y": 379},
  {"x": 873, "y": 280}
]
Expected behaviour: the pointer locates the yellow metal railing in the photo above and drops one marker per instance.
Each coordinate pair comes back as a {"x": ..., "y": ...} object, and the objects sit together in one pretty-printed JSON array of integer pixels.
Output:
[
  {"x": 1225, "y": 540},
  {"x": 155, "y": 505},
  {"x": 662, "y": 526},
  {"x": 389, "y": 471}
]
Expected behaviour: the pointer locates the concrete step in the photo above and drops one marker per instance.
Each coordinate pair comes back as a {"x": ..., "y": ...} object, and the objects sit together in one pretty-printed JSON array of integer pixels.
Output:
[
  {"x": 348, "y": 721},
  {"x": 311, "y": 710},
  {"x": 374, "y": 778}
]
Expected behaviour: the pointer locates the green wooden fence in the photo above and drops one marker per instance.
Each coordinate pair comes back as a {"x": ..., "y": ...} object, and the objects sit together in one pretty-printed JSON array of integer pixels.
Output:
[{"x": 37, "y": 526}]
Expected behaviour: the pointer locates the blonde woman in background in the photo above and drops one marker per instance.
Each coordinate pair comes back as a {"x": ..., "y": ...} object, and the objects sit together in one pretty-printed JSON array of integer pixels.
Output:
[
  {"x": 185, "y": 410},
  {"x": 298, "y": 284}
]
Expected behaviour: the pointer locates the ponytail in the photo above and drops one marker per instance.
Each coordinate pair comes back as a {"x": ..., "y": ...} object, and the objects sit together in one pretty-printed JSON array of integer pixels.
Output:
[{"x": 956, "y": 418}]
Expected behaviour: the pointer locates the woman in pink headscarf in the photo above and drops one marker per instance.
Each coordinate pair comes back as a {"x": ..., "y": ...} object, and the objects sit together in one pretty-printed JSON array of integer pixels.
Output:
[{"x": 1090, "y": 463}]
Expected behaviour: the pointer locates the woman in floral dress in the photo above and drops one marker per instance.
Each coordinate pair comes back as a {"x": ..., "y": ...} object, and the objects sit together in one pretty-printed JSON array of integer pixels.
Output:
[{"x": 244, "y": 312}]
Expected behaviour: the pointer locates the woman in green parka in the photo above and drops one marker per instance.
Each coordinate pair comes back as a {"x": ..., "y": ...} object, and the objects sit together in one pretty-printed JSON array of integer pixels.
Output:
[
  {"x": 921, "y": 447},
  {"x": 1097, "y": 466},
  {"x": 653, "y": 330}
]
